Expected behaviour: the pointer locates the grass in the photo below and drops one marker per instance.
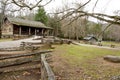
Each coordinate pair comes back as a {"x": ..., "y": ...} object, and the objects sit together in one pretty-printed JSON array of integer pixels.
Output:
[
  {"x": 108, "y": 43},
  {"x": 84, "y": 63},
  {"x": 3, "y": 40}
]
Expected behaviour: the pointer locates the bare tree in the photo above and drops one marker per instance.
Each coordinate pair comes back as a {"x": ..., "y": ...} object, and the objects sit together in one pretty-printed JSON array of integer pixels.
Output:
[
  {"x": 30, "y": 4},
  {"x": 70, "y": 16},
  {"x": 112, "y": 33},
  {"x": 77, "y": 28},
  {"x": 3, "y": 7},
  {"x": 81, "y": 13}
]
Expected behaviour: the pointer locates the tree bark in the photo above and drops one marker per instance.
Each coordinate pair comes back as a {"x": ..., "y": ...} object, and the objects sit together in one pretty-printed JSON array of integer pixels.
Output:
[{"x": 115, "y": 59}]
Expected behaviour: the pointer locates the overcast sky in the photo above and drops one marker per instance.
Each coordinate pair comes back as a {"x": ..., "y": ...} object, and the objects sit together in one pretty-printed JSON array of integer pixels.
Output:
[{"x": 103, "y": 6}]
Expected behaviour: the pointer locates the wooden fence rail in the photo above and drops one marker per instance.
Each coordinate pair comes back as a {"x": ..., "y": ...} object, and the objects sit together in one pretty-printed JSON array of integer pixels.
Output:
[
  {"x": 26, "y": 54},
  {"x": 15, "y": 62},
  {"x": 20, "y": 59},
  {"x": 46, "y": 71}
]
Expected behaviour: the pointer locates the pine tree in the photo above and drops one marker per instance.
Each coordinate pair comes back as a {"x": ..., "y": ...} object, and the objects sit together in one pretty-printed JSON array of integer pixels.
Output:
[{"x": 41, "y": 16}]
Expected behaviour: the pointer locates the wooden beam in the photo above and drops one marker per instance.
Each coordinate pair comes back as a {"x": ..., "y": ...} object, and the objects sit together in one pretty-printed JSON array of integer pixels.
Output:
[
  {"x": 26, "y": 54},
  {"x": 42, "y": 32},
  {"x": 29, "y": 31},
  {"x": 48, "y": 32},
  {"x": 20, "y": 67},
  {"x": 35, "y": 31},
  {"x": 46, "y": 71},
  {"x": 18, "y": 61},
  {"x": 53, "y": 33},
  {"x": 20, "y": 30}
]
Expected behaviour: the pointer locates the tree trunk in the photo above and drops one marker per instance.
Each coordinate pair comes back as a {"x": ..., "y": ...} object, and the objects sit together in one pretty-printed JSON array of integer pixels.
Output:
[{"x": 115, "y": 59}]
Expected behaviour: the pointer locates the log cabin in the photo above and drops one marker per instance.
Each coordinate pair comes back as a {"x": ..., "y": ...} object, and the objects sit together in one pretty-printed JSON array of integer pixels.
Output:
[
  {"x": 22, "y": 28},
  {"x": 90, "y": 39}
]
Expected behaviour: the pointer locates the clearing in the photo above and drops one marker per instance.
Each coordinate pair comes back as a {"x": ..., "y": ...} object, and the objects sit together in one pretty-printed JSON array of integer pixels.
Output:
[{"x": 72, "y": 62}]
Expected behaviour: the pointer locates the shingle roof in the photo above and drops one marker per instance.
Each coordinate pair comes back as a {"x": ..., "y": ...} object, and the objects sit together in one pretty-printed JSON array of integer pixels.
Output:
[
  {"x": 24, "y": 22},
  {"x": 87, "y": 38},
  {"x": 90, "y": 37}
]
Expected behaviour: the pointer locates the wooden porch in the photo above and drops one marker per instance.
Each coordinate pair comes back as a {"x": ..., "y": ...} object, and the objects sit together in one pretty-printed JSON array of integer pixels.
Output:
[{"x": 20, "y": 31}]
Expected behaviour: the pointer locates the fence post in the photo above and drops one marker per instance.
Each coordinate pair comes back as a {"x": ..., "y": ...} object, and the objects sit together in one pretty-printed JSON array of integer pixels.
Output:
[{"x": 46, "y": 71}]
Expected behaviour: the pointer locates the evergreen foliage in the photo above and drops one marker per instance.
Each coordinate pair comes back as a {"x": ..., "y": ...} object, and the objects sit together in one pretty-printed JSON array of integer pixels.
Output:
[{"x": 41, "y": 16}]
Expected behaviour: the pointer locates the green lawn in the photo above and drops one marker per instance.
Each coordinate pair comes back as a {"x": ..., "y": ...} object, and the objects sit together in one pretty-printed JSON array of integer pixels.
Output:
[
  {"x": 3, "y": 40},
  {"x": 84, "y": 63},
  {"x": 108, "y": 43}
]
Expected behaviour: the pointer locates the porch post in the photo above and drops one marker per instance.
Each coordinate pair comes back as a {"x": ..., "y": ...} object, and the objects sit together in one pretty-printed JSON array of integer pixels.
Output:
[
  {"x": 52, "y": 32},
  {"x": 45, "y": 33},
  {"x": 29, "y": 31},
  {"x": 42, "y": 32},
  {"x": 35, "y": 31},
  {"x": 42, "y": 35},
  {"x": 48, "y": 32},
  {"x": 20, "y": 30}
]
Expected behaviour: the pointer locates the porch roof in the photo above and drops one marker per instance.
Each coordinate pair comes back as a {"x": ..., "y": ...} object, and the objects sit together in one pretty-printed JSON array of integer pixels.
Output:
[{"x": 25, "y": 22}]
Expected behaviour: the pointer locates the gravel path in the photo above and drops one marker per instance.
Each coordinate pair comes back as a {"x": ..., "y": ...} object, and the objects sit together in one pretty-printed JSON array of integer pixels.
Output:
[{"x": 16, "y": 43}]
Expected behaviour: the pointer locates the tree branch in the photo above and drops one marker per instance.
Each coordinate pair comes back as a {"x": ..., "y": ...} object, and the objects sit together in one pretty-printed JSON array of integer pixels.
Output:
[
  {"x": 95, "y": 5},
  {"x": 23, "y": 4},
  {"x": 104, "y": 29},
  {"x": 84, "y": 4},
  {"x": 109, "y": 19},
  {"x": 47, "y": 3},
  {"x": 72, "y": 10},
  {"x": 18, "y": 4}
]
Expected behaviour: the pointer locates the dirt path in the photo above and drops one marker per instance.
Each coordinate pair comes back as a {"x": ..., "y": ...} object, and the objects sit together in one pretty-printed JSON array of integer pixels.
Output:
[{"x": 87, "y": 45}]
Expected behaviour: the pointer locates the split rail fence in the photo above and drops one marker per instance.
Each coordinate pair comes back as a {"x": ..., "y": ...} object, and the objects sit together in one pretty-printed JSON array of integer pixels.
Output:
[{"x": 20, "y": 59}]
